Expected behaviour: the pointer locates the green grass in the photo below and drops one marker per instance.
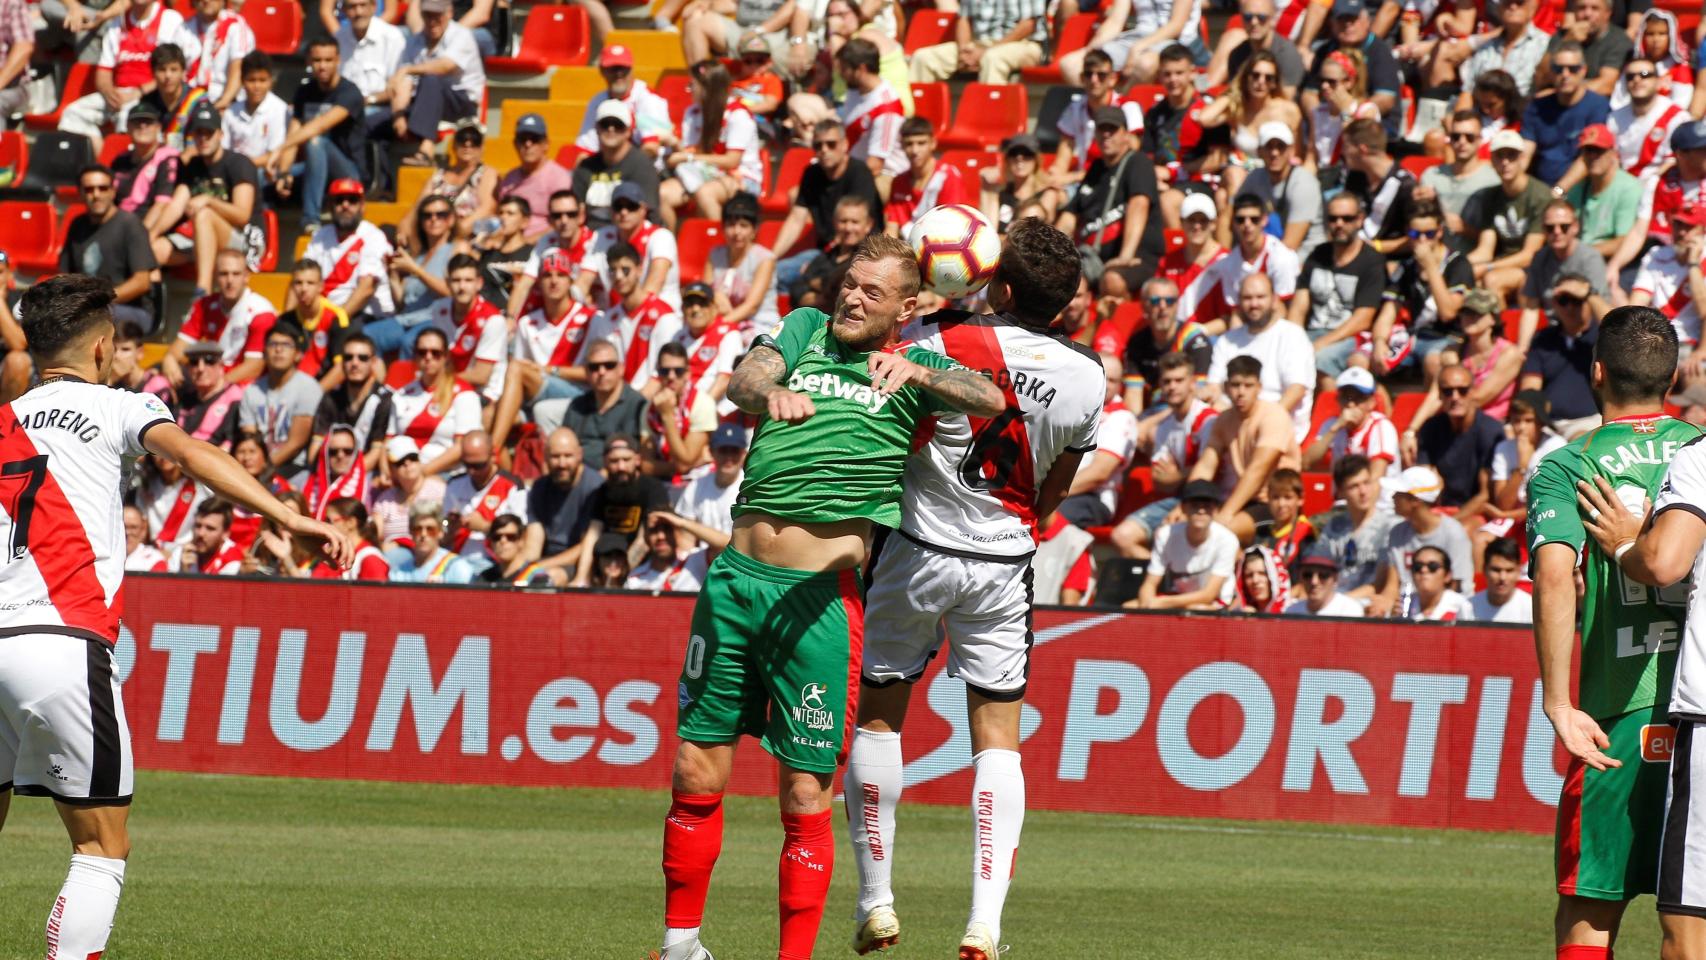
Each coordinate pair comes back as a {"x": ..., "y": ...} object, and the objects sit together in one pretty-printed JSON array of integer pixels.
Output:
[{"x": 228, "y": 867}]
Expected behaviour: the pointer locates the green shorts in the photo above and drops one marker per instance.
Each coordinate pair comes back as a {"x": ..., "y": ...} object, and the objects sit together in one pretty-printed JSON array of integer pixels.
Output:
[
  {"x": 1609, "y": 821},
  {"x": 774, "y": 654}
]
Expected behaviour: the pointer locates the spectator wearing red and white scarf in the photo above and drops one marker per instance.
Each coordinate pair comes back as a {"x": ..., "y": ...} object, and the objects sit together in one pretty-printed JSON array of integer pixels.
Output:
[
  {"x": 340, "y": 470},
  {"x": 210, "y": 551},
  {"x": 226, "y": 39},
  {"x": 168, "y": 499},
  {"x": 477, "y": 497}
]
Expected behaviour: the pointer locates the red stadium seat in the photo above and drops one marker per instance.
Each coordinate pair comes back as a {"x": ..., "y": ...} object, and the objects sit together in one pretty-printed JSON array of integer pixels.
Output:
[
  {"x": 971, "y": 162},
  {"x": 932, "y": 102},
  {"x": 794, "y": 163},
  {"x": 988, "y": 114},
  {"x": 1145, "y": 95},
  {"x": 769, "y": 229},
  {"x": 555, "y": 35},
  {"x": 398, "y": 374},
  {"x": 929, "y": 28},
  {"x": 1420, "y": 163},
  {"x": 78, "y": 83},
  {"x": 677, "y": 90},
  {"x": 1404, "y": 407},
  {"x": 1317, "y": 493},
  {"x": 1073, "y": 37},
  {"x": 277, "y": 25},
  {"x": 14, "y": 158},
  {"x": 1173, "y": 239},
  {"x": 1511, "y": 321},
  {"x": 1326, "y": 407},
  {"x": 269, "y": 256},
  {"x": 113, "y": 147},
  {"x": 569, "y": 156},
  {"x": 694, "y": 240},
  {"x": 31, "y": 232}
]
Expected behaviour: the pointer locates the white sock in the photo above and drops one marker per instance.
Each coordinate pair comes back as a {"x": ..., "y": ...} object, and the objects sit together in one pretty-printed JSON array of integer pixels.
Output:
[
  {"x": 872, "y": 791},
  {"x": 680, "y": 943},
  {"x": 82, "y": 917},
  {"x": 998, "y": 814}
]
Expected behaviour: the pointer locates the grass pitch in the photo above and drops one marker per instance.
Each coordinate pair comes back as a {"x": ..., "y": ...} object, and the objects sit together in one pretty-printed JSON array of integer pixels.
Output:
[{"x": 228, "y": 867}]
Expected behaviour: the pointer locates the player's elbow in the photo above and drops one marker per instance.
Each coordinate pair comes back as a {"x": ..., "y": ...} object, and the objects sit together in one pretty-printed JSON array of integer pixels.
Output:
[{"x": 986, "y": 400}]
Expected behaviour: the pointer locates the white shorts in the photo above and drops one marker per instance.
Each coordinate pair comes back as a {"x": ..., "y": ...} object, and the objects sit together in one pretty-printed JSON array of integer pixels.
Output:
[
  {"x": 62, "y": 726},
  {"x": 983, "y": 606}
]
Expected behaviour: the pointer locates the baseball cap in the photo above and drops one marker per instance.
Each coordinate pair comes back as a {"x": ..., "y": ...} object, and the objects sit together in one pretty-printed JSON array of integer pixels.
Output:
[
  {"x": 616, "y": 55},
  {"x": 1021, "y": 141},
  {"x": 204, "y": 348},
  {"x": 1196, "y": 203},
  {"x": 1693, "y": 215},
  {"x": 1358, "y": 379},
  {"x": 728, "y": 436},
  {"x": 1598, "y": 135},
  {"x": 346, "y": 187},
  {"x": 614, "y": 110},
  {"x": 1423, "y": 483},
  {"x": 400, "y": 447},
  {"x": 1348, "y": 8},
  {"x": 143, "y": 110},
  {"x": 531, "y": 124},
  {"x": 1109, "y": 116},
  {"x": 753, "y": 42},
  {"x": 630, "y": 192},
  {"x": 435, "y": 6},
  {"x": 1202, "y": 490},
  {"x": 1689, "y": 136},
  {"x": 1274, "y": 130},
  {"x": 1505, "y": 140},
  {"x": 202, "y": 117},
  {"x": 697, "y": 291},
  {"x": 1482, "y": 301},
  {"x": 556, "y": 261},
  {"x": 1319, "y": 559}
]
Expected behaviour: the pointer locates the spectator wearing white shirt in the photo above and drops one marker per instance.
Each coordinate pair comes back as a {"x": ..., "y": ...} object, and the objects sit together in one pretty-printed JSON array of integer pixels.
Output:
[
  {"x": 1195, "y": 559},
  {"x": 476, "y": 498},
  {"x": 1095, "y": 489},
  {"x": 1181, "y": 435},
  {"x": 352, "y": 255},
  {"x": 1433, "y": 598},
  {"x": 650, "y": 112},
  {"x": 1515, "y": 460},
  {"x": 257, "y": 121},
  {"x": 123, "y": 69},
  {"x": 710, "y": 498},
  {"x": 1213, "y": 295},
  {"x": 371, "y": 50},
  {"x": 674, "y": 563},
  {"x": 1319, "y": 573},
  {"x": 442, "y": 79},
  {"x": 1359, "y": 428},
  {"x": 1503, "y": 601},
  {"x": 1287, "y": 356}
]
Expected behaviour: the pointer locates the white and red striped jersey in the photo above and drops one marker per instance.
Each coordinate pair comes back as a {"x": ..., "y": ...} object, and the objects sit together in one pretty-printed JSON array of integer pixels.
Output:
[
  {"x": 146, "y": 558},
  {"x": 344, "y": 262},
  {"x": 580, "y": 253},
  {"x": 170, "y": 509},
  {"x": 416, "y": 414},
  {"x": 241, "y": 331},
  {"x": 873, "y": 124},
  {"x": 1214, "y": 292},
  {"x": 1665, "y": 280},
  {"x": 1643, "y": 143},
  {"x": 641, "y": 334},
  {"x": 712, "y": 353},
  {"x": 1117, "y": 437},
  {"x": 62, "y": 450},
  {"x": 739, "y": 135},
  {"x": 560, "y": 341},
  {"x": 908, "y": 201},
  {"x": 1664, "y": 197},
  {"x": 1075, "y": 125},
  {"x": 1182, "y": 439},
  {"x": 369, "y": 564},
  {"x": 482, "y": 335},
  {"x": 1375, "y": 438},
  {"x": 973, "y": 487},
  {"x": 227, "y": 40},
  {"x": 654, "y": 243},
  {"x": 503, "y": 493},
  {"x": 227, "y": 562}
]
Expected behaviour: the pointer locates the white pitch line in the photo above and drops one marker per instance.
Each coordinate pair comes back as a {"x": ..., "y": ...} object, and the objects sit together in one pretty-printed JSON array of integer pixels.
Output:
[{"x": 1321, "y": 835}]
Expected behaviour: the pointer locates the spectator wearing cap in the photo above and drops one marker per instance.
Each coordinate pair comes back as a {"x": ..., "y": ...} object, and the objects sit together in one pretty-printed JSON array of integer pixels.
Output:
[
  {"x": 475, "y": 498},
  {"x": 1319, "y": 574},
  {"x": 371, "y": 50},
  {"x": 1182, "y": 265},
  {"x": 755, "y": 83},
  {"x": 123, "y": 70},
  {"x": 1516, "y": 49},
  {"x": 927, "y": 183},
  {"x": 630, "y": 223},
  {"x": 709, "y": 498},
  {"x": 823, "y": 185},
  {"x": 1553, "y": 123},
  {"x": 108, "y": 242},
  {"x": 622, "y": 504},
  {"x": 353, "y": 255},
  {"x": 741, "y": 271},
  {"x": 225, "y": 39},
  {"x": 1670, "y": 278},
  {"x": 427, "y": 560},
  {"x": 1195, "y": 559},
  {"x": 550, "y": 347},
  {"x": 171, "y": 98},
  {"x": 610, "y": 557},
  {"x": 617, "y": 163},
  {"x": 1503, "y": 601},
  {"x": 1423, "y": 303},
  {"x": 1504, "y": 221},
  {"x": 1285, "y": 360},
  {"x": 409, "y": 484},
  {"x": 675, "y": 441},
  {"x": 1683, "y": 185},
  {"x": 1076, "y": 126},
  {"x": 475, "y": 16},
  {"x": 1359, "y": 428},
  {"x": 1258, "y": 34},
  {"x": 568, "y": 234},
  {"x": 279, "y": 406},
  {"x": 538, "y": 176},
  {"x": 1349, "y": 26},
  {"x": 647, "y": 117},
  {"x": 1296, "y": 199},
  {"x": 994, "y": 40},
  {"x": 1639, "y": 130},
  {"x": 1458, "y": 442},
  {"x": 1356, "y": 537},
  {"x": 208, "y": 402},
  {"x": 442, "y": 79},
  {"x": 1562, "y": 255},
  {"x": 713, "y": 344},
  {"x": 215, "y": 204},
  {"x": 1213, "y": 296},
  {"x": 147, "y": 171},
  {"x": 1607, "y": 198},
  {"x": 559, "y": 503},
  {"x": 328, "y": 128},
  {"x": 1019, "y": 187},
  {"x": 610, "y": 407},
  {"x": 1452, "y": 183},
  {"x": 1252, "y": 101},
  {"x": 1115, "y": 211},
  {"x": 508, "y": 561},
  {"x": 1560, "y": 361},
  {"x": 1251, "y": 438},
  {"x": 1340, "y": 290},
  {"x": 232, "y": 316},
  {"x": 1414, "y": 493},
  {"x": 257, "y": 120}
]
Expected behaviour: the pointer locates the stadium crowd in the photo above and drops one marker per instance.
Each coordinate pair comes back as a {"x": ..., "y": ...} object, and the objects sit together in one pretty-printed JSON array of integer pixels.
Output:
[{"x": 1344, "y": 266}]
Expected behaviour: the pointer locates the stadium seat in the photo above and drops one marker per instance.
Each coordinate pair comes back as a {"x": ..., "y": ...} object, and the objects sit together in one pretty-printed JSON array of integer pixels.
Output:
[
  {"x": 654, "y": 48},
  {"x": 1055, "y": 104},
  {"x": 694, "y": 239},
  {"x": 78, "y": 82},
  {"x": 269, "y": 225},
  {"x": 794, "y": 163},
  {"x": 988, "y": 113},
  {"x": 1317, "y": 493},
  {"x": 1073, "y": 36},
  {"x": 1419, "y": 163},
  {"x": 31, "y": 233},
  {"x": 275, "y": 287},
  {"x": 971, "y": 162},
  {"x": 113, "y": 147},
  {"x": 411, "y": 181},
  {"x": 932, "y": 102},
  {"x": 1129, "y": 316},
  {"x": 568, "y": 156},
  {"x": 1145, "y": 95},
  {"x": 399, "y": 373},
  {"x": 1404, "y": 407},
  {"x": 277, "y": 25},
  {"x": 1511, "y": 321},
  {"x": 927, "y": 29},
  {"x": 677, "y": 90},
  {"x": 769, "y": 229},
  {"x": 14, "y": 157},
  {"x": 1172, "y": 239},
  {"x": 55, "y": 160},
  {"x": 555, "y": 34},
  {"x": 1326, "y": 407}
]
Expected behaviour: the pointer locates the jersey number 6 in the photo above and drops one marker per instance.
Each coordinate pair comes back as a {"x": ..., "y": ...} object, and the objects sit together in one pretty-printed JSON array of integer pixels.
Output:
[{"x": 994, "y": 452}]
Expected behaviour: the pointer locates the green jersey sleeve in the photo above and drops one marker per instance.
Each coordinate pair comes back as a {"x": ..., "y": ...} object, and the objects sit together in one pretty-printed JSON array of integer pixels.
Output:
[
  {"x": 1553, "y": 514},
  {"x": 792, "y": 333},
  {"x": 930, "y": 358}
]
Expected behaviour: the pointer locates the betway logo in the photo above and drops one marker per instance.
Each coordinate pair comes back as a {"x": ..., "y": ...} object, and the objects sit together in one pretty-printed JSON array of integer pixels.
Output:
[{"x": 832, "y": 385}]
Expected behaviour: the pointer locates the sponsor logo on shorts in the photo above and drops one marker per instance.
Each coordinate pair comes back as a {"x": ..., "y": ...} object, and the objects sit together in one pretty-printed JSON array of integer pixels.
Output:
[
  {"x": 683, "y": 698},
  {"x": 811, "y": 710},
  {"x": 1657, "y": 741}
]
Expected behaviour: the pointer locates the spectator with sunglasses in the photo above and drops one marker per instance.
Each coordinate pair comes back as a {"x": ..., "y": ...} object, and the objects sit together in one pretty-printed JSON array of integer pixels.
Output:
[
  {"x": 207, "y": 402},
  {"x": 426, "y": 559},
  {"x": 361, "y": 401},
  {"x": 1414, "y": 493},
  {"x": 509, "y": 565},
  {"x": 1340, "y": 291},
  {"x": 1639, "y": 129},
  {"x": 643, "y": 321},
  {"x": 1459, "y": 442},
  {"x": 647, "y": 118},
  {"x": 537, "y": 176},
  {"x": 574, "y": 239},
  {"x": 1432, "y": 597},
  {"x": 611, "y": 407},
  {"x": 475, "y": 498},
  {"x": 1560, "y": 361},
  {"x": 1452, "y": 183},
  {"x": 675, "y": 440},
  {"x": 1076, "y": 126},
  {"x": 823, "y": 186},
  {"x": 1318, "y": 572},
  {"x": 1167, "y": 334},
  {"x": 1258, "y": 34},
  {"x": 466, "y": 182},
  {"x": 1553, "y": 123},
  {"x": 417, "y": 272},
  {"x": 1296, "y": 199},
  {"x": 409, "y": 485},
  {"x": 108, "y": 242},
  {"x": 1423, "y": 301},
  {"x": 1671, "y": 278},
  {"x": 1563, "y": 254},
  {"x": 1213, "y": 295},
  {"x": 600, "y": 175}
]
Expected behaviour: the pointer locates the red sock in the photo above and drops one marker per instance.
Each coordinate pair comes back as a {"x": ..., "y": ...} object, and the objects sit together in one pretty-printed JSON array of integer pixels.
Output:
[
  {"x": 1579, "y": 951},
  {"x": 692, "y": 839},
  {"x": 808, "y": 859}
]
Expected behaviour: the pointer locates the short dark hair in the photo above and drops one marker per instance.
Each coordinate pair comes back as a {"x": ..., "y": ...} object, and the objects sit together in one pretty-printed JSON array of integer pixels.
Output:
[
  {"x": 1173, "y": 361},
  {"x": 353, "y": 509},
  {"x": 565, "y": 194},
  {"x": 305, "y": 264},
  {"x": 461, "y": 261},
  {"x": 1286, "y": 480},
  {"x": 1637, "y": 347},
  {"x": 288, "y": 327},
  {"x": 1465, "y": 116},
  {"x": 99, "y": 168},
  {"x": 1349, "y": 466},
  {"x": 1569, "y": 46},
  {"x": 213, "y": 506},
  {"x": 256, "y": 62},
  {"x": 165, "y": 54},
  {"x": 1245, "y": 201},
  {"x": 1244, "y": 365},
  {"x": 521, "y": 202},
  {"x": 324, "y": 42},
  {"x": 129, "y": 332},
  {"x": 859, "y": 52},
  {"x": 1366, "y": 133},
  {"x": 1444, "y": 557},
  {"x": 674, "y": 348},
  {"x": 622, "y": 251},
  {"x": 916, "y": 126},
  {"x": 741, "y": 206},
  {"x": 1430, "y": 209},
  {"x": 1041, "y": 269},
  {"x": 358, "y": 338},
  {"x": 61, "y": 311},
  {"x": 1098, "y": 58},
  {"x": 504, "y": 520},
  {"x": 1504, "y": 548},
  {"x": 1171, "y": 53}
]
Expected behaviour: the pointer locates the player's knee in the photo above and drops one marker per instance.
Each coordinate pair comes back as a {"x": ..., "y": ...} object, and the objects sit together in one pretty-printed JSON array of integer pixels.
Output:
[
  {"x": 694, "y": 773},
  {"x": 803, "y": 793}
]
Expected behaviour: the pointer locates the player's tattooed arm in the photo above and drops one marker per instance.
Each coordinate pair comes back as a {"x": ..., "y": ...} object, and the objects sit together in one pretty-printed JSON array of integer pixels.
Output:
[
  {"x": 756, "y": 387},
  {"x": 960, "y": 388}
]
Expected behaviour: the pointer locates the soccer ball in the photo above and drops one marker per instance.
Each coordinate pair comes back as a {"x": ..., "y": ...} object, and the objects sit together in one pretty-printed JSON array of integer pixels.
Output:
[{"x": 957, "y": 248}]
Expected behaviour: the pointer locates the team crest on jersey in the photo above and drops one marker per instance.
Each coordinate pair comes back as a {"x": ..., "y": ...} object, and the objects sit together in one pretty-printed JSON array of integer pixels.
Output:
[
  {"x": 467, "y": 341},
  {"x": 811, "y": 711},
  {"x": 491, "y": 501},
  {"x": 352, "y": 258},
  {"x": 707, "y": 353},
  {"x": 644, "y": 333},
  {"x": 320, "y": 338}
]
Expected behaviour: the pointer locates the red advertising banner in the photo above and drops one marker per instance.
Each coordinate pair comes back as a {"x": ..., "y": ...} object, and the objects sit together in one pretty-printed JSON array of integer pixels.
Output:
[{"x": 1332, "y": 721}]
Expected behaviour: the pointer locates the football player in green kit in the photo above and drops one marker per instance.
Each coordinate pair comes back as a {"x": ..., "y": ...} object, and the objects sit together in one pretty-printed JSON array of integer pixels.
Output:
[
  {"x": 1616, "y": 727},
  {"x": 777, "y": 629}
]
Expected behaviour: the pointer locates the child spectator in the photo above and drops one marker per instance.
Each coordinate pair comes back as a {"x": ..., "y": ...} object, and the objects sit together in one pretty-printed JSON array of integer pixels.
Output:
[
  {"x": 1195, "y": 560},
  {"x": 1264, "y": 584},
  {"x": 1359, "y": 428},
  {"x": 1288, "y": 532},
  {"x": 1503, "y": 601}
]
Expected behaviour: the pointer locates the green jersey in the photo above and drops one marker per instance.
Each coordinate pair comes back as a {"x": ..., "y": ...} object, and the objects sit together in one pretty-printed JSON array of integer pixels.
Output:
[
  {"x": 1629, "y": 630},
  {"x": 846, "y": 460}
]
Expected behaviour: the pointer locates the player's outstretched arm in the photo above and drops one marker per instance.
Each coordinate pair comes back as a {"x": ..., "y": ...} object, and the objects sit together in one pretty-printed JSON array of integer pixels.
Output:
[
  {"x": 1554, "y": 643},
  {"x": 225, "y": 477},
  {"x": 756, "y": 387},
  {"x": 965, "y": 390},
  {"x": 1660, "y": 556}
]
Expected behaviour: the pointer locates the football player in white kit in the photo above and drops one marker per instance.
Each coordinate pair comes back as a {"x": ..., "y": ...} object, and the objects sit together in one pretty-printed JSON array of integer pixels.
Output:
[
  {"x": 960, "y": 564},
  {"x": 62, "y": 447}
]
